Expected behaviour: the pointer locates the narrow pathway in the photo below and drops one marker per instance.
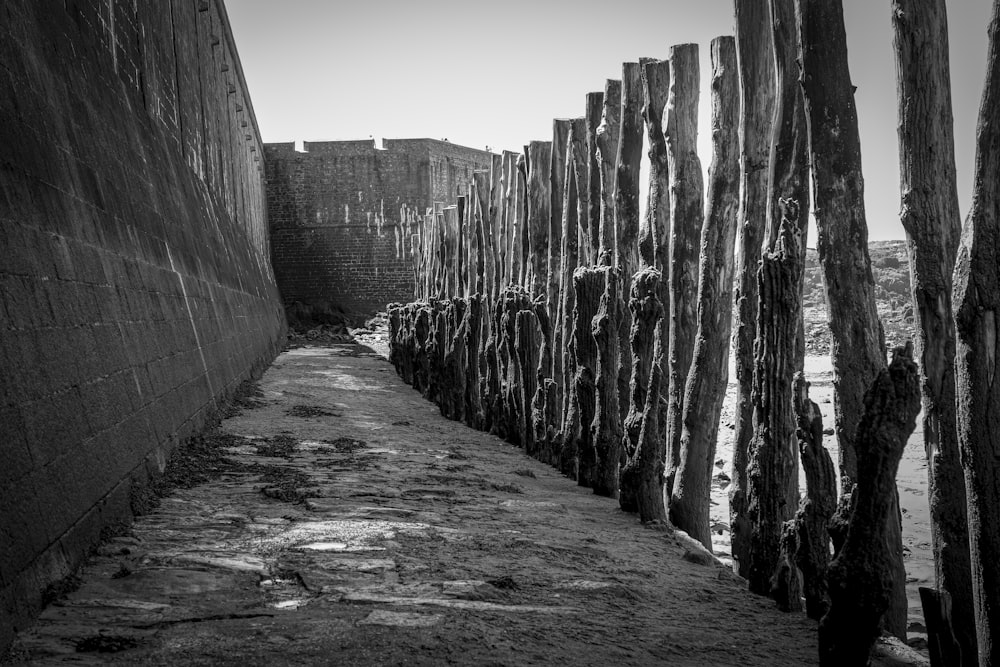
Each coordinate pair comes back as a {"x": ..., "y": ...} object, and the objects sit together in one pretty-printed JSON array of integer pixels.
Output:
[{"x": 356, "y": 526}]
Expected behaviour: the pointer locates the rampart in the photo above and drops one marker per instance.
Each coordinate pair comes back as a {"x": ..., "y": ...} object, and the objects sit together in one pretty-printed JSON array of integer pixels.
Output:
[
  {"x": 135, "y": 284},
  {"x": 341, "y": 215}
]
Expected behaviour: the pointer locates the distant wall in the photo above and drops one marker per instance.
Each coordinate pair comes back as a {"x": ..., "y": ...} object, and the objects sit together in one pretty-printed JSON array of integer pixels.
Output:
[
  {"x": 341, "y": 214},
  {"x": 135, "y": 286}
]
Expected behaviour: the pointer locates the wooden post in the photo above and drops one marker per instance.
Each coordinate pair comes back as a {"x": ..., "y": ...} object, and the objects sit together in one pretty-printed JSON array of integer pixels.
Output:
[
  {"x": 606, "y": 430},
  {"x": 861, "y": 577},
  {"x": 574, "y": 216},
  {"x": 835, "y": 152},
  {"x": 539, "y": 214},
  {"x": 930, "y": 216},
  {"x": 509, "y": 187},
  {"x": 627, "y": 161},
  {"x": 654, "y": 234},
  {"x": 644, "y": 452},
  {"x": 521, "y": 244},
  {"x": 812, "y": 539},
  {"x": 709, "y": 374},
  {"x": 558, "y": 173},
  {"x": 591, "y": 225},
  {"x": 686, "y": 216},
  {"x": 772, "y": 467},
  {"x": 496, "y": 224},
  {"x": 607, "y": 152},
  {"x": 754, "y": 56},
  {"x": 588, "y": 286},
  {"x": 461, "y": 247},
  {"x": 977, "y": 303},
  {"x": 788, "y": 185}
]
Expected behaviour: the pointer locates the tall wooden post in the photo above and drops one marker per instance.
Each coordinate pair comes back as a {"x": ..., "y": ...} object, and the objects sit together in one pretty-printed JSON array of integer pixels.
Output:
[
  {"x": 591, "y": 225},
  {"x": 835, "y": 152},
  {"x": 607, "y": 153},
  {"x": 496, "y": 223},
  {"x": 558, "y": 174},
  {"x": 709, "y": 374},
  {"x": 756, "y": 64},
  {"x": 574, "y": 216},
  {"x": 521, "y": 239},
  {"x": 930, "y": 216},
  {"x": 977, "y": 304},
  {"x": 686, "y": 216},
  {"x": 539, "y": 213}
]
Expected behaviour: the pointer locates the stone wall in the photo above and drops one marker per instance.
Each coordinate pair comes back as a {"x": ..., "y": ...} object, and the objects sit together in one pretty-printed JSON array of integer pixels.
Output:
[
  {"x": 135, "y": 285},
  {"x": 341, "y": 214}
]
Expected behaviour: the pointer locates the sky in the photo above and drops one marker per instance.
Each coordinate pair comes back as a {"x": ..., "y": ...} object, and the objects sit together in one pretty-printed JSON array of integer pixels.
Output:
[{"x": 496, "y": 74}]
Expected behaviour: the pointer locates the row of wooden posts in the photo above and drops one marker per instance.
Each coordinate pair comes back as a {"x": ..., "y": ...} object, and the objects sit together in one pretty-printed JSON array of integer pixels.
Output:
[{"x": 548, "y": 312}]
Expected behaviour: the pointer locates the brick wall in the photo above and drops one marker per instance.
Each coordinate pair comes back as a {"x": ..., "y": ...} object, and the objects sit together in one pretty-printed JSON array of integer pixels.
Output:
[
  {"x": 135, "y": 285},
  {"x": 341, "y": 215}
]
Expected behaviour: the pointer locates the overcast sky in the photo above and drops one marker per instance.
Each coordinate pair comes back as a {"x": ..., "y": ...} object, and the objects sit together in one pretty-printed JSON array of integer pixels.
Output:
[{"x": 496, "y": 74}]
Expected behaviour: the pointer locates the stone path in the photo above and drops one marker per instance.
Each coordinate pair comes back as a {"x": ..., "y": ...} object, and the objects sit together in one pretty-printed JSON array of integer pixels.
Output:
[{"x": 356, "y": 526}]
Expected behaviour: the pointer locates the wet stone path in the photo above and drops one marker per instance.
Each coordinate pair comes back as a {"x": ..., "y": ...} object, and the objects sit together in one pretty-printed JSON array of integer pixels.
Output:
[{"x": 356, "y": 526}]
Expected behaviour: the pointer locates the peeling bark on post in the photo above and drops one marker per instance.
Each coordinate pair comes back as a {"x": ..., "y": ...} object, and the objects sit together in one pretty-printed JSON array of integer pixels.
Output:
[
  {"x": 930, "y": 216},
  {"x": 835, "y": 152},
  {"x": 860, "y": 577},
  {"x": 539, "y": 214},
  {"x": 754, "y": 57},
  {"x": 591, "y": 225},
  {"x": 608, "y": 134},
  {"x": 543, "y": 403},
  {"x": 607, "y": 426},
  {"x": 686, "y": 216},
  {"x": 772, "y": 466},
  {"x": 588, "y": 285},
  {"x": 977, "y": 304},
  {"x": 647, "y": 311},
  {"x": 709, "y": 374}
]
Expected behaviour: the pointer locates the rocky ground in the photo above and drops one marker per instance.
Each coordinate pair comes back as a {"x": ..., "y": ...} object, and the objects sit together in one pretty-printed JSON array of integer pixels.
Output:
[{"x": 891, "y": 271}]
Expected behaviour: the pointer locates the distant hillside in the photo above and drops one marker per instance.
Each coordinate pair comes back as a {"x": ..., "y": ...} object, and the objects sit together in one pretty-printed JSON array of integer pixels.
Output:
[{"x": 891, "y": 270}]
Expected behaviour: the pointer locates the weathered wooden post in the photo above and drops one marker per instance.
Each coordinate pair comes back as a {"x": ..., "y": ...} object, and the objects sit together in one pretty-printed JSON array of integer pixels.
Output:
[
  {"x": 521, "y": 240},
  {"x": 643, "y": 450},
  {"x": 654, "y": 236},
  {"x": 686, "y": 216},
  {"x": 835, "y": 152},
  {"x": 772, "y": 467},
  {"x": 709, "y": 373},
  {"x": 591, "y": 225},
  {"x": 627, "y": 162},
  {"x": 627, "y": 159},
  {"x": 574, "y": 216},
  {"x": 755, "y": 59},
  {"x": 607, "y": 138},
  {"x": 606, "y": 430},
  {"x": 930, "y": 216},
  {"x": 977, "y": 303},
  {"x": 860, "y": 577},
  {"x": 588, "y": 286},
  {"x": 539, "y": 213},
  {"x": 557, "y": 178},
  {"x": 811, "y": 537}
]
